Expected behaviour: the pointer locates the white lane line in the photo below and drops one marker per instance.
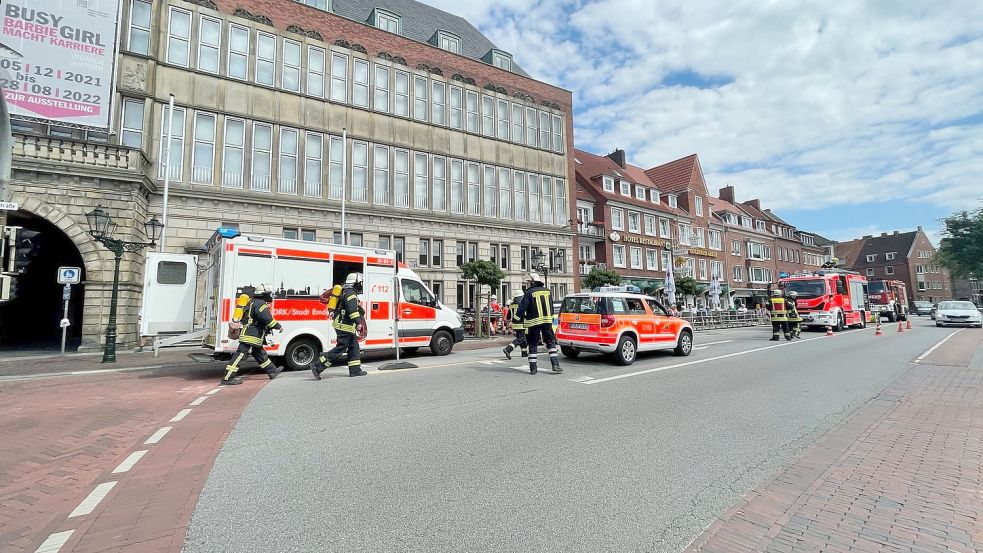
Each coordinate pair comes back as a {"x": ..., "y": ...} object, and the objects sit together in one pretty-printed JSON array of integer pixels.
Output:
[
  {"x": 715, "y": 343},
  {"x": 128, "y": 463},
  {"x": 158, "y": 436},
  {"x": 933, "y": 348},
  {"x": 199, "y": 401},
  {"x": 698, "y": 348},
  {"x": 54, "y": 542},
  {"x": 707, "y": 360},
  {"x": 580, "y": 379},
  {"x": 487, "y": 362},
  {"x": 89, "y": 503},
  {"x": 99, "y": 371},
  {"x": 74, "y": 373},
  {"x": 213, "y": 392},
  {"x": 180, "y": 416}
]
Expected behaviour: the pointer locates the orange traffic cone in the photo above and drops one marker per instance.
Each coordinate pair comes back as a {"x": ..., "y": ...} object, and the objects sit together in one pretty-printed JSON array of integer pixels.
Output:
[
  {"x": 900, "y": 326},
  {"x": 878, "y": 332},
  {"x": 829, "y": 330},
  {"x": 908, "y": 320}
]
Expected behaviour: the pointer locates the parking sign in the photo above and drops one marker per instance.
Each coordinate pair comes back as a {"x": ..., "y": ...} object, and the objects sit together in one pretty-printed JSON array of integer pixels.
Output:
[{"x": 69, "y": 275}]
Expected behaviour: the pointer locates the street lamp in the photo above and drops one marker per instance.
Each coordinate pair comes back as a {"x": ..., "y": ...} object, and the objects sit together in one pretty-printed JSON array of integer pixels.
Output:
[
  {"x": 102, "y": 228},
  {"x": 540, "y": 259}
]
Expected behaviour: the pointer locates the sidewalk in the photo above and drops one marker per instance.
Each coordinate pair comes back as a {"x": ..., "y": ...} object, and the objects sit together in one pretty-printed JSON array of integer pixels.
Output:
[{"x": 902, "y": 473}]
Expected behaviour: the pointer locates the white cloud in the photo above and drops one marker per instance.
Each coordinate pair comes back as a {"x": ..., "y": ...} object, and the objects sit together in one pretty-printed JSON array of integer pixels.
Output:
[{"x": 828, "y": 104}]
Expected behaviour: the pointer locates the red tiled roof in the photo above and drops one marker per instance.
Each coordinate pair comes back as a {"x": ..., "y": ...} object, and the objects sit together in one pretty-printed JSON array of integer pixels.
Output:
[
  {"x": 592, "y": 165},
  {"x": 754, "y": 212},
  {"x": 848, "y": 252},
  {"x": 674, "y": 176},
  {"x": 722, "y": 206}
]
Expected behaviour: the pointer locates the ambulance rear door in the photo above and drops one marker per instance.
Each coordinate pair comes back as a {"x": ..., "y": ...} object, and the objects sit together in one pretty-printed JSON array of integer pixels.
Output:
[
  {"x": 169, "y": 288},
  {"x": 379, "y": 290}
]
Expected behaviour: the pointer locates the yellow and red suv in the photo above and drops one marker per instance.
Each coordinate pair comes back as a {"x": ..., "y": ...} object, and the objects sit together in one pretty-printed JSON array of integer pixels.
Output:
[{"x": 620, "y": 324}]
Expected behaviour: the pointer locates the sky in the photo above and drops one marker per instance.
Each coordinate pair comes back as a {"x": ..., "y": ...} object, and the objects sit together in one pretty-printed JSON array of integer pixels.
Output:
[{"x": 845, "y": 118}]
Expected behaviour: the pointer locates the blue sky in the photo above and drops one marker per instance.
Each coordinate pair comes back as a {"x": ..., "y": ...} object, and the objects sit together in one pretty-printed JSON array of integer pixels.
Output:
[{"x": 845, "y": 118}]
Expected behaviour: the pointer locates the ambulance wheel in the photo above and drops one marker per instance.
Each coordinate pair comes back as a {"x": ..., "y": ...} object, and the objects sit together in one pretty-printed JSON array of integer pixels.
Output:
[
  {"x": 627, "y": 350},
  {"x": 442, "y": 343},
  {"x": 570, "y": 352},
  {"x": 409, "y": 350},
  {"x": 301, "y": 353}
]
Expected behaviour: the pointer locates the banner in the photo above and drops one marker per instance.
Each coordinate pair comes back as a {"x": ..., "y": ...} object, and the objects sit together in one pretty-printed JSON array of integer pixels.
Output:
[{"x": 57, "y": 59}]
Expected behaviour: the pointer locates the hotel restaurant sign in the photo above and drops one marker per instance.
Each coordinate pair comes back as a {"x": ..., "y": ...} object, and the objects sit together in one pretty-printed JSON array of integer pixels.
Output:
[{"x": 646, "y": 241}]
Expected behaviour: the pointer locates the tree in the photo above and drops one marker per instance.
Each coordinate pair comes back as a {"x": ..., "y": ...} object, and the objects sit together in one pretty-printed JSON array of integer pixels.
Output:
[
  {"x": 686, "y": 286},
  {"x": 485, "y": 273},
  {"x": 961, "y": 246},
  {"x": 601, "y": 277}
]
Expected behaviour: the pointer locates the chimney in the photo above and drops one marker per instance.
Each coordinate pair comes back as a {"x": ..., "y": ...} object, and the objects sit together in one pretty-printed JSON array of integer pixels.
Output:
[
  {"x": 727, "y": 194},
  {"x": 895, "y": 233},
  {"x": 883, "y": 234},
  {"x": 867, "y": 237},
  {"x": 919, "y": 228},
  {"x": 618, "y": 156},
  {"x": 755, "y": 203}
]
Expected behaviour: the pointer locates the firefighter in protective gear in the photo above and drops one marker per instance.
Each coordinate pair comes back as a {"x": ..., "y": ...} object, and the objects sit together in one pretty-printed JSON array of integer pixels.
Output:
[
  {"x": 257, "y": 321},
  {"x": 518, "y": 327},
  {"x": 349, "y": 325},
  {"x": 778, "y": 308},
  {"x": 536, "y": 310},
  {"x": 794, "y": 320}
]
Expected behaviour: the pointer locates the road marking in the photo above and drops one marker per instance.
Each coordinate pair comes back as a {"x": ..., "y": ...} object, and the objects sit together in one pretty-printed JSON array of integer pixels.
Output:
[
  {"x": 707, "y": 360},
  {"x": 933, "y": 348},
  {"x": 698, "y": 348},
  {"x": 581, "y": 379},
  {"x": 158, "y": 436},
  {"x": 215, "y": 391},
  {"x": 715, "y": 343},
  {"x": 180, "y": 416},
  {"x": 487, "y": 362},
  {"x": 54, "y": 542},
  {"x": 89, "y": 503},
  {"x": 199, "y": 401},
  {"x": 128, "y": 463},
  {"x": 75, "y": 373}
]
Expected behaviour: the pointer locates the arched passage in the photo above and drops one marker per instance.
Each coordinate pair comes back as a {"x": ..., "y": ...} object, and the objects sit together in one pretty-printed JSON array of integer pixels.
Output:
[{"x": 31, "y": 319}]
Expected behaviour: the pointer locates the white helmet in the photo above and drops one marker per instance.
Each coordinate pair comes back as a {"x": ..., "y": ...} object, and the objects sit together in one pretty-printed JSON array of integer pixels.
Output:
[
  {"x": 793, "y": 294},
  {"x": 776, "y": 292},
  {"x": 352, "y": 278},
  {"x": 533, "y": 277},
  {"x": 263, "y": 290}
]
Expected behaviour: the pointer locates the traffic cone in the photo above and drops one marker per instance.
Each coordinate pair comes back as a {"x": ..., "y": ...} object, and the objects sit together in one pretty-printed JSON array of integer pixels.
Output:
[
  {"x": 878, "y": 332},
  {"x": 908, "y": 320},
  {"x": 829, "y": 330},
  {"x": 900, "y": 326}
]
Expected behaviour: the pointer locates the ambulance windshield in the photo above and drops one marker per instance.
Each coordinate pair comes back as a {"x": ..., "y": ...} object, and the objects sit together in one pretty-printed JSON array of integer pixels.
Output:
[{"x": 812, "y": 288}]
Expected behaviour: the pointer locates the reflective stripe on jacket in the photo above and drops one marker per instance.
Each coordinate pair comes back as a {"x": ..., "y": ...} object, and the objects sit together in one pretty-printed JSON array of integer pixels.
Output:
[
  {"x": 257, "y": 320},
  {"x": 348, "y": 312},
  {"x": 777, "y": 306},
  {"x": 536, "y": 307}
]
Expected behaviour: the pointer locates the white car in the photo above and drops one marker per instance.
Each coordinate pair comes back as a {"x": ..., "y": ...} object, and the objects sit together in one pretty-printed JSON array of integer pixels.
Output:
[{"x": 961, "y": 313}]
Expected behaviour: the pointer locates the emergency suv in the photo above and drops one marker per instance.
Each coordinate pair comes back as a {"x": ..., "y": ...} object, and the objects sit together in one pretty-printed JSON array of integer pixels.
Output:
[
  {"x": 889, "y": 299},
  {"x": 619, "y": 324},
  {"x": 833, "y": 298}
]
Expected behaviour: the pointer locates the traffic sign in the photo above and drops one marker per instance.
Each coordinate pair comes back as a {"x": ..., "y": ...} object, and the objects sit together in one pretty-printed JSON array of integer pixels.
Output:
[
  {"x": 69, "y": 275},
  {"x": 8, "y": 206},
  {"x": 66, "y": 292}
]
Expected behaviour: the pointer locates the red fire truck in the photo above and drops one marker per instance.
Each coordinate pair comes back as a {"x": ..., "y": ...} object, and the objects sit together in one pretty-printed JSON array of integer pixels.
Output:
[
  {"x": 889, "y": 298},
  {"x": 829, "y": 297}
]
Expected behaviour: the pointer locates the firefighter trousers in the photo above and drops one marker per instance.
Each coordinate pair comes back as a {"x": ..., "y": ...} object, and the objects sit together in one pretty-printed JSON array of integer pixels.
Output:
[
  {"x": 258, "y": 353},
  {"x": 519, "y": 341},
  {"x": 779, "y": 327},
  {"x": 544, "y": 333},
  {"x": 347, "y": 344},
  {"x": 795, "y": 328}
]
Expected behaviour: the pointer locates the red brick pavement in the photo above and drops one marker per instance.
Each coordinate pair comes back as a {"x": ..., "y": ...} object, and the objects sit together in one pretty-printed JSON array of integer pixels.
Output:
[
  {"x": 903, "y": 473},
  {"x": 60, "y": 437}
]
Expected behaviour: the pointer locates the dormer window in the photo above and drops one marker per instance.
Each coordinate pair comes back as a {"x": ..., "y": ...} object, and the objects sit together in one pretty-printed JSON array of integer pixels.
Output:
[
  {"x": 673, "y": 201},
  {"x": 731, "y": 218},
  {"x": 446, "y": 41},
  {"x": 655, "y": 196},
  {"x": 761, "y": 225},
  {"x": 746, "y": 222},
  {"x": 319, "y": 4},
  {"x": 608, "y": 184},
  {"x": 387, "y": 21},
  {"x": 502, "y": 60},
  {"x": 625, "y": 188},
  {"x": 640, "y": 192}
]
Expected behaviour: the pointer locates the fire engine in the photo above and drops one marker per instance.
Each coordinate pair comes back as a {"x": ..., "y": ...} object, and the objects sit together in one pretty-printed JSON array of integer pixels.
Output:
[
  {"x": 829, "y": 297},
  {"x": 889, "y": 299}
]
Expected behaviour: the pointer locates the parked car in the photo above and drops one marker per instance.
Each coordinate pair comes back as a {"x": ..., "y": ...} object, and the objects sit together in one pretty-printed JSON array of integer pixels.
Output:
[
  {"x": 620, "y": 324},
  {"x": 923, "y": 308},
  {"x": 958, "y": 313}
]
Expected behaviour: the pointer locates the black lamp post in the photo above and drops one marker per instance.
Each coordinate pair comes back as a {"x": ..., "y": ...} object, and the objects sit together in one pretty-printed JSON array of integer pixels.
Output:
[
  {"x": 539, "y": 261},
  {"x": 102, "y": 228}
]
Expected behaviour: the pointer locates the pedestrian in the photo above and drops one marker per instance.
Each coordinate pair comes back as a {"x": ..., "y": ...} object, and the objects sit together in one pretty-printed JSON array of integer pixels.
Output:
[
  {"x": 794, "y": 319},
  {"x": 536, "y": 310},
  {"x": 777, "y": 307},
  {"x": 518, "y": 327},
  {"x": 257, "y": 321},
  {"x": 348, "y": 321},
  {"x": 494, "y": 314}
]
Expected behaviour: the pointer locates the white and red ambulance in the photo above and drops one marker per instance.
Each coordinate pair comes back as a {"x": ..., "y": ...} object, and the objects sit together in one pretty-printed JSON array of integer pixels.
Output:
[{"x": 298, "y": 272}]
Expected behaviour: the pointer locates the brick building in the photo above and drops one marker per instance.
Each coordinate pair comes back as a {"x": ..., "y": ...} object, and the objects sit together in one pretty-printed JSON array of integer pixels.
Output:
[{"x": 448, "y": 138}]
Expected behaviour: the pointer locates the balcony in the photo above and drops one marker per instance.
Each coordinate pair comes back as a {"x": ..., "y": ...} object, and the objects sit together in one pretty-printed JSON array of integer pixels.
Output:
[
  {"x": 31, "y": 150},
  {"x": 591, "y": 230}
]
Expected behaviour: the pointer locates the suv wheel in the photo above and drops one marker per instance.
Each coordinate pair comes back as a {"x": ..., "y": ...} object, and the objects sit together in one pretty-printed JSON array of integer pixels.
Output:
[
  {"x": 627, "y": 350},
  {"x": 570, "y": 352},
  {"x": 685, "y": 344}
]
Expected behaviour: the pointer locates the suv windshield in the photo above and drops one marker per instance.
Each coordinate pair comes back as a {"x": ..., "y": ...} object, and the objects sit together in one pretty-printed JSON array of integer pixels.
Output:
[
  {"x": 877, "y": 287},
  {"x": 813, "y": 288}
]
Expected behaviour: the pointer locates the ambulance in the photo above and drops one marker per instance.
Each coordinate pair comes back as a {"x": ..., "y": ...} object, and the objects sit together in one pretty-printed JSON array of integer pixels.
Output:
[
  {"x": 833, "y": 298},
  {"x": 299, "y": 271}
]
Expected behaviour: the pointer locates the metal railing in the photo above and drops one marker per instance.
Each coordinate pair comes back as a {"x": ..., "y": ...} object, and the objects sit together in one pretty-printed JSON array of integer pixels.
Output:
[
  {"x": 592, "y": 230},
  {"x": 724, "y": 319}
]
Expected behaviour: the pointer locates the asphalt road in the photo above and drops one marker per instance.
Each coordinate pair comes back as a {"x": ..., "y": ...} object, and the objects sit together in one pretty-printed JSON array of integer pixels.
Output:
[{"x": 468, "y": 454}]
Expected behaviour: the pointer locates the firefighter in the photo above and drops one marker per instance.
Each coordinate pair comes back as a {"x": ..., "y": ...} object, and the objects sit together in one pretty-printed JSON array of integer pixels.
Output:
[
  {"x": 518, "y": 328},
  {"x": 794, "y": 320},
  {"x": 777, "y": 306},
  {"x": 536, "y": 310},
  {"x": 257, "y": 321},
  {"x": 349, "y": 324}
]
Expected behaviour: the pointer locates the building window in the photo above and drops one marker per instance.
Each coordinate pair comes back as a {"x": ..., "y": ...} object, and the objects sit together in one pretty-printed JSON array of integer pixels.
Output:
[
  {"x": 487, "y": 115},
  {"x": 520, "y": 196},
  {"x": 339, "y": 77},
  {"x": 703, "y": 269},
  {"x": 437, "y": 254},
  {"x": 401, "y": 184},
  {"x": 179, "y": 37},
  {"x": 700, "y": 238},
  {"x": 490, "y": 191},
  {"x": 618, "y": 253},
  {"x": 421, "y": 181},
  {"x": 558, "y": 134},
  {"x": 139, "y": 38},
  {"x": 360, "y": 83},
  {"x": 532, "y": 133},
  {"x": 381, "y": 100},
  {"x": 238, "y": 51},
  {"x": 617, "y": 218},
  {"x": 360, "y": 172},
  {"x": 312, "y": 164},
  {"x": 735, "y": 247},
  {"x": 534, "y": 205},
  {"x": 649, "y": 225},
  {"x": 402, "y": 103},
  {"x": 420, "y": 100},
  {"x": 673, "y": 201},
  {"x": 424, "y": 257},
  {"x": 265, "y": 59},
  {"x": 654, "y": 194},
  {"x": 633, "y": 222},
  {"x": 608, "y": 184},
  {"x": 503, "y": 260},
  {"x": 640, "y": 192},
  {"x": 544, "y": 130},
  {"x": 716, "y": 269},
  {"x": 561, "y": 201},
  {"x": 396, "y": 243},
  {"x": 503, "y": 119},
  {"x": 380, "y": 175},
  {"x": 287, "y": 168},
  {"x": 474, "y": 189},
  {"x": 457, "y": 107},
  {"x": 336, "y": 151},
  {"x": 889, "y": 270},
  {"x": 387, "y": 21},
  {"x": 636, "y": 257},
  {"x": 439, "y": 184},
  {"x": 502, "y": 60},
  {"x": 203, "y": 151},
  {"x": 870, "y": 271},
  {"x": 472, "y": 110},
  {"x": 233, "y": 153},
  {"x": 175, "y": 158},
  {"x": 439, "y": 103},
  {"x": 505, "y": 194},
  {"x": 449, "y": 42},
  {"x": 209, "y": 43},
  {"x": 760, "y": 275},
  {"x": 871, "y": 258},
  {"x": 664, "y": 228},
  {"x": 666, "y": 260},
  {"x": 715, "y": 242},
  {"x": 547, "y": 200},
  {"x": 291, "y": 233},
  {"x": 518, "y": 128},
  {"x": 262, "y": 156},
  {"x": 315, "y": 71},
  {"x": 131, "y": 127},
  {"x": 738, "y": 273},
  {"x": 625, "y": 188},
  {"x": 651, "y": 260},
  {"x": 457, "y": 186},
  {"x": 890, "y": 256},
  {"x": 290, "y": 77},
  {"x": 699, "y": 205}
]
